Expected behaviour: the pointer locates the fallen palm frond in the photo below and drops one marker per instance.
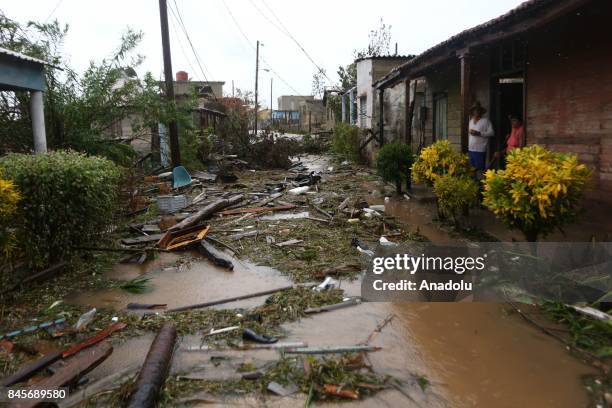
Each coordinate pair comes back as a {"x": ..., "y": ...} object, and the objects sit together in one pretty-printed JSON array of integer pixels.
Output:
[{"x": 136, "y": 286}]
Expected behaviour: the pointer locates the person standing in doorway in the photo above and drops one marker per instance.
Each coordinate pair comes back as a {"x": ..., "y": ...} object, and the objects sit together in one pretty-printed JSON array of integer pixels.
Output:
[
  {"x": 514, "y": 140},
  {"x": 480, "y": 131}
]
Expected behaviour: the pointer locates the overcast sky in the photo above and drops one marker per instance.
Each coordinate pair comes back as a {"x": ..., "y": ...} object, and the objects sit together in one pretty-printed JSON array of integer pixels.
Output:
[{"x": 329, "y": 30}]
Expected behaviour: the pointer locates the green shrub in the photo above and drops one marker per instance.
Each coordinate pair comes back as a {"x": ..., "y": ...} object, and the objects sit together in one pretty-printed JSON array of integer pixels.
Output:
[
  {"x": 345, "y": 141},
  {"x": 394, "y": 162},
  {"x": 68, "y": 200},
  {"x": 538, "y": 191},
  {"x": 313, "y": 144},
  {"x": 455, "y": 195},
  {"x": 439, "y": 159}
]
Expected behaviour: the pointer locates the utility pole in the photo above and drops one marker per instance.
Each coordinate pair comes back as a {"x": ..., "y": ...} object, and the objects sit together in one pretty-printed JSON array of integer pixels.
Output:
[
  {"x": 271, "y": 98},
  {"x": 256, "y": 83},
  {"x": 233, "y": 95},
  {"x": 172, "y": 126}
]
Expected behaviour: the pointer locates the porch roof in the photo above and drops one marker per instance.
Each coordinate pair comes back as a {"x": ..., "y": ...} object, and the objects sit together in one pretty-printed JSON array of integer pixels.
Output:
[
  {"x": 527, "y": 16},
  {"x": 21, "y": 72}
]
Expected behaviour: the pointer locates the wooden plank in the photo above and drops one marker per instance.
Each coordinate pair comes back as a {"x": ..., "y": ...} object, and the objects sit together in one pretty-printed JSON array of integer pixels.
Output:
[
  {"x": 257, "y": 210},
  {"x": 70, "y": 373},
  {"x": 98, "y": 337},
  {"x": 465, "y": 99},
  {"x": 46, "y": 273},
  {"x": 28, "y": 370},
  {"x": 215, "y": 256},
  {"x": 141, "y": 240}
]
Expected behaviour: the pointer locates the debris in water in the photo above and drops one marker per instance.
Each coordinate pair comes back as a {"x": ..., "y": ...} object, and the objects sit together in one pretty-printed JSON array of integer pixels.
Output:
[
  {"x": 85, "y": 319},
  {"x": 249, "y": 334}
]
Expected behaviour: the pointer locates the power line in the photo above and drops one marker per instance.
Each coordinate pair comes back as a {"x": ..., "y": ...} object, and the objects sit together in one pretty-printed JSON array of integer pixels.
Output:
[
  {"x": 189, "y": 38},
  {"x": 286, "y": 31},
  {"x": 181, "y": 44},
  {"x": 182, "y": 25},
  {"x": 253, "y": 47},
  {"x": 53, "y": 11}
]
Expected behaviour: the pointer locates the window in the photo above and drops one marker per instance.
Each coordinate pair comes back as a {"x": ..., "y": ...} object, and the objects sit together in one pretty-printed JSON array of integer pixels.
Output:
[
  {"x": 363, "y": 100},
  {"x": 440, "y": 116}
]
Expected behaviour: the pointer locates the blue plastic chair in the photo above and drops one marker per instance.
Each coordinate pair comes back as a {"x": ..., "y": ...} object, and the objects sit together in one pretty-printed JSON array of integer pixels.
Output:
[{"x": 180, "y": 177}]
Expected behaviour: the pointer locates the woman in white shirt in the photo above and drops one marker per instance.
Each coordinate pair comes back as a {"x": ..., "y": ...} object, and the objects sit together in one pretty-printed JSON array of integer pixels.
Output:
[{"x": 480, "y": 131}]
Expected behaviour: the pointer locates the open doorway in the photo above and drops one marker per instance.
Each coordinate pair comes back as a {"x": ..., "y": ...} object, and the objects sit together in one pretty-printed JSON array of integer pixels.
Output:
[{"x": 507, "y": 98}]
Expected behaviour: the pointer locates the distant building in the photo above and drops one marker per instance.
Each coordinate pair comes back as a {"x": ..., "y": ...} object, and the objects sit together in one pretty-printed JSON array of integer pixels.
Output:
[
  {"x": 370, "y": 70},
  {"x": 184, "y": 87},
  {"x": 292, "y": 102},
  {"x": 312, "y": 115},
  {"x": 207, "y": 113}
]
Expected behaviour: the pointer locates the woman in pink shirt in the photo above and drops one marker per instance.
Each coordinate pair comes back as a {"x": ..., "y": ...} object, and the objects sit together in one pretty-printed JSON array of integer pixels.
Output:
[{"x": 515, "y": 139}]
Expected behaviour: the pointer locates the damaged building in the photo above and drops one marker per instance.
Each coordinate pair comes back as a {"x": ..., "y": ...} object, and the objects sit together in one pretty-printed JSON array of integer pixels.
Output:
[{"x": 546, "y": 61}]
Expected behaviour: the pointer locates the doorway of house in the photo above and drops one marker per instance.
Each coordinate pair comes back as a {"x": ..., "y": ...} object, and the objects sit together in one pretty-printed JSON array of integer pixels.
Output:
[{"x": 507, "y": 100}]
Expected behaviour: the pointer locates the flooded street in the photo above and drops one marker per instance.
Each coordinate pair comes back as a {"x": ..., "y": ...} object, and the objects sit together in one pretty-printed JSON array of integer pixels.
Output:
[
  {"x": 473, "y": 354},
  {"x": 469, "y": 354}
]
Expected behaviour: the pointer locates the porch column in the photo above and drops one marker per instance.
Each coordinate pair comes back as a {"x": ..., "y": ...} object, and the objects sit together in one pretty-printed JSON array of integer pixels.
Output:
[
  {"x": 381, "y": 119},
  {"x": 465, "y": 58},
  {"x": 38, "y": 122},
  {"x": 343, "y": 96},
  {"x": 351, "y": 106},
  {"x": 408, "y": 111}
]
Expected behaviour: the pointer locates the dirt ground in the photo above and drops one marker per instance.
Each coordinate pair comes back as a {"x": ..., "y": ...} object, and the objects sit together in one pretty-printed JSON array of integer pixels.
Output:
[{"x": 431, "y": 354}]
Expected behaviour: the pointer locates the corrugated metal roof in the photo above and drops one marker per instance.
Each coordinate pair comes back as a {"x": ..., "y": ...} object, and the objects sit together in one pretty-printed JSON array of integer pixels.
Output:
[
  {"x": 23, "y": 57},
  {"x": 516, "y": 14},
  {"x": 385, "y": 57}
]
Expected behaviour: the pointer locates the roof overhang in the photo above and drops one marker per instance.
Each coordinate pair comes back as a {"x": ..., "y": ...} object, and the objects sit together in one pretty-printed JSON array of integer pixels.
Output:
[{"x": 527, "y": 16}]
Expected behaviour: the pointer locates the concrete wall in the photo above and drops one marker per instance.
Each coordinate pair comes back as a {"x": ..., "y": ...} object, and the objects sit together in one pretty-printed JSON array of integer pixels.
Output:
[
  {"x": 369, "y": 71},
  {"x": 312, "y": 115},
  {"x": 364, "y": 94},
  {"x": 184, "y": 88},
  {"x": 292, "y": 102},
  {"x": 394, "y": 112}
]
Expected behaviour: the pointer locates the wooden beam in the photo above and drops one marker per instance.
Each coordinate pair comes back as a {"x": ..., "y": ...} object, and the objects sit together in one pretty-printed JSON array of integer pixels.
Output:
[
  {"x": 70, "y": 373},
  {"x": 465, "y": 59}
]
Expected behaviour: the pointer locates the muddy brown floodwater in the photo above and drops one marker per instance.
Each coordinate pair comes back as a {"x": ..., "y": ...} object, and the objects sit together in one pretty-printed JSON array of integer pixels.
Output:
[
  {"x": 473, "y": 354},
  {"x": 181, "y": 279}
]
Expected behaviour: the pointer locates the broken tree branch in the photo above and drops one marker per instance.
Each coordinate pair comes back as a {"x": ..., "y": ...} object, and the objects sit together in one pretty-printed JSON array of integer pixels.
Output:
[{"x": 207, "y": 212}]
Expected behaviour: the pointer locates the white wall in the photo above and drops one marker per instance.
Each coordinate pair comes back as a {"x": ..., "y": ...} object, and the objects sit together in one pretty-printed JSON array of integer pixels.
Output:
[{"x": 364, "y": 88}]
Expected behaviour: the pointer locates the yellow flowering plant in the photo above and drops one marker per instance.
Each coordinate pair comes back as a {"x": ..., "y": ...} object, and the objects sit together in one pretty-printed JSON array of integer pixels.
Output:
[
  {"x": 9, "y": 198},
  {"x": 455, "y": 195},
  {"x": 537, "y": 192},
  {"x": 440, "y": 159}
]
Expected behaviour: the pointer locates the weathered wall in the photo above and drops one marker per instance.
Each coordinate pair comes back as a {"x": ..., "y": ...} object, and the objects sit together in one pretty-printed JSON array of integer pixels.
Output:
[
  {"x": 569, "y": 90},
  {"x": 312, "y": 115},
  {"x": 394, "y": 112},
  {"x": 369, "y": 71},
  {"x": 292, "y": 102},
  {"x": 182, "y": 88},
  {"x": 445, "y": 79}
]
